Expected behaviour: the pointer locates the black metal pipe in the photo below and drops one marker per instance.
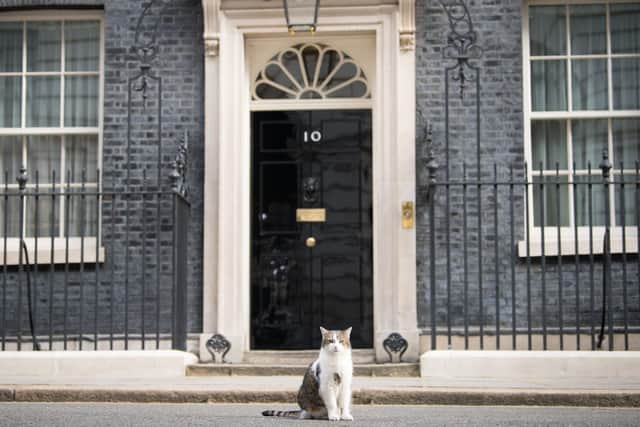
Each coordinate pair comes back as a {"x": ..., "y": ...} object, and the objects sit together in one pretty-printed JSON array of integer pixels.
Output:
[
  {"x": 465, "y": 256},
  {"x": 174, "y": 272},
  {"x": 112, "y": 227},
  {"x": 4, "y": 256},
  {"x": 559, "y": 258},
  {"x": 30, "y": 304},
  {"x": 576, "y": 249},
  {"x": 513, "y": 259},
  {"x": 591, "y": 279},
  {"x": 497, "y": 254},
  {"x": 480, "y": 282},
  {"x": 143, "y": 266},
  {"x": 158, "y": 274},
  {"x": 447, "y": 224},
  {"x": 98, "y": 231},
  {"x": 82, "y": 230},
  {"x": 528, "y": 252},
  {"x": 543, "y": 259},
  {"x": 20, "y": 261},
  {"x": 52, "y": 232},
  {"x": 33, "y": 288},
  {"x": 605, "y": 166},
  {"x": 623, "y": 220},
  {"x": 432, "y": 262},
  {"x": 67, "y": 200},
  {"x": 605, "y": 268},
  {"x": 126, "y": 268}
]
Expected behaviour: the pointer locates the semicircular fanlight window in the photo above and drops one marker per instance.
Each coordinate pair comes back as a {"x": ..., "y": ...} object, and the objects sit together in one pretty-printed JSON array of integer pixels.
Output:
[{"x": 311, "y": 71}]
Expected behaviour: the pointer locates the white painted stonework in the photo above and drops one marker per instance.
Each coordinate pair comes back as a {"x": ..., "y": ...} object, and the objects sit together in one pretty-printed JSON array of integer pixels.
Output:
[
  {"x": 233, "y": 29},
  {"x": 155, "y": 364},
  {"x": 522, "y": 368}
]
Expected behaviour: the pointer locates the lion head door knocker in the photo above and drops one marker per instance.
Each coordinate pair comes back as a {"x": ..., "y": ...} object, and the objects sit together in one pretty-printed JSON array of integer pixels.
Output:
[
  {"x": 310, "y": 187},
  {"x": 218, "y": 345}
]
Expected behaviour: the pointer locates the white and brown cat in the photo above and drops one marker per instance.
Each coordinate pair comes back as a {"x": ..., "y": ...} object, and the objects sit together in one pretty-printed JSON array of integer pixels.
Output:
[{"x": 326, "y": 387}]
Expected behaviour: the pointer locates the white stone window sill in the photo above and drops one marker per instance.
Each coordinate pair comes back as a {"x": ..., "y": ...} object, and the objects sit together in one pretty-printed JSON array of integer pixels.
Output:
[
  {"x": 74, "y": 255},
  {"x": 587, "y": 244}
]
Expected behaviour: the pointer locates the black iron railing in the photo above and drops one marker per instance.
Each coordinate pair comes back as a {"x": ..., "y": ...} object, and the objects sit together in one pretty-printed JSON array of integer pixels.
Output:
[
  {"x": 543, "y": 258},
  {"x": 93, "y": 266},
  {"x": 526, "y": 259}
]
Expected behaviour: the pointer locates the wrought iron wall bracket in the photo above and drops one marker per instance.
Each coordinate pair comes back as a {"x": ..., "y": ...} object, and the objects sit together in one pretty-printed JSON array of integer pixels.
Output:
[
  {"x": 461, "y": 42},
  {"x": 146, "y": 46}
]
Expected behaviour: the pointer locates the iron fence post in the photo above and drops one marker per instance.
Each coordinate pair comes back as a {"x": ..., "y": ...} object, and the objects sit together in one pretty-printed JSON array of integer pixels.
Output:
[
  {"x": 22, "y": 179},
  {"x": 180, "y": 229},
  {"x": 605, "y": 166},
  {"x": 432, "y": 167}
]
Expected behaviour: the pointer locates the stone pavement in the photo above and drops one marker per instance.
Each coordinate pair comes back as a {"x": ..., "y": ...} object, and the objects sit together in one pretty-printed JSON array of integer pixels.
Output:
[{"x": 366, "y": 390}]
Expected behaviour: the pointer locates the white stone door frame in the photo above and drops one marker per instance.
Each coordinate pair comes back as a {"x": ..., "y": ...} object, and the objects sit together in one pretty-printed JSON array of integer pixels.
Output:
[{"x": 226, "y": 258}]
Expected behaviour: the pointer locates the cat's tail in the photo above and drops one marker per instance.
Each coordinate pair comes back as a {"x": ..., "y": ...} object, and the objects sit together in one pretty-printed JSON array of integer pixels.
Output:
[{"x": 286, "y": 414}]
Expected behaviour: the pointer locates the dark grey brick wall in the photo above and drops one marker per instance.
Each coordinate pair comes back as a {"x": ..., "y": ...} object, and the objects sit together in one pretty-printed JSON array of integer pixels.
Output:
[
  {"x": 498, "y": 24},
  {"x": 179, "y": 63}
]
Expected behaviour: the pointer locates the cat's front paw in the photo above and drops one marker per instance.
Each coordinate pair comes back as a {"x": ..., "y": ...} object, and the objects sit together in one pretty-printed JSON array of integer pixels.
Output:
[
  {"x": 334, "y": 417},
  {"x": 347, "y": 417}
]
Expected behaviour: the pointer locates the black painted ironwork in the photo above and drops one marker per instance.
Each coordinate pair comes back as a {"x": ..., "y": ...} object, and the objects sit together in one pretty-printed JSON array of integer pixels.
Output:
[
  {"x": 139, "y": 227},
  {"x": 607, "y": 296},
  {"x": 461, "y": 43},
  {"x": 491, "y": 251},
  {"x": 146, "y": 46},
  {"x": 218, "y": 346},
  {"x": 461, "y": 47},
  {"x": 395, "y": 344},
  {"x": 87, "y": 268},
  {"x": 533, "y": 271}
]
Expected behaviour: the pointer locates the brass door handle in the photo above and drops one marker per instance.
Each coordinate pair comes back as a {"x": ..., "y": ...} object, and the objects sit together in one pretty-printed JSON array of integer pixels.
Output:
[{"x": 310, "y": 242}]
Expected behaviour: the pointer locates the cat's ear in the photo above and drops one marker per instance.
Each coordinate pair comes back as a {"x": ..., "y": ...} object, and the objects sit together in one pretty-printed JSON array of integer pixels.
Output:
[
  {"x": 323, "y": 330},
  {"x": 347, "y": 332}
]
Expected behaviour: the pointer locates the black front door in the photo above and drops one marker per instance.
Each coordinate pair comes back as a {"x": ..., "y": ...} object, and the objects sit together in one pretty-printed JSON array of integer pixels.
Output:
[{"x": 311, "y": 251}]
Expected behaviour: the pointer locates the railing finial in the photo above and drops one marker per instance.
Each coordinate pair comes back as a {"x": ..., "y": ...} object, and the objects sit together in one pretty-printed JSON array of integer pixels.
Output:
[
  {"x": 22, "y": 178},
  {"x": 605, "y": 165}
]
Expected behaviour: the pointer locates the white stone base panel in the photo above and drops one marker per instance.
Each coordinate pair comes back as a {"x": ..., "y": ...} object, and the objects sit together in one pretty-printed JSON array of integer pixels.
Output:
[
  {"x": 94, "y": 364},
  {"x": 565, "y": 369}
]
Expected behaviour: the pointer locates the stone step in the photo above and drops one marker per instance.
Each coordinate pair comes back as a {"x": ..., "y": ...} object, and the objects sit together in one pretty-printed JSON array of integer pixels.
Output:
[
  {"x": 246, "y": 369},
  {"x": 301, "y": 357}
]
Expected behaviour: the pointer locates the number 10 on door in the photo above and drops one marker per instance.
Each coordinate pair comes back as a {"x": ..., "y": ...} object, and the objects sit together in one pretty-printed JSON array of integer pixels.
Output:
[{"x": 314, "y": 136}]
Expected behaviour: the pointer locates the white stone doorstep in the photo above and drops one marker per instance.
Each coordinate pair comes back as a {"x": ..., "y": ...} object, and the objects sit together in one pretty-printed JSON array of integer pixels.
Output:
[
  {"x": 94, "y": 364},
  {"x": 525, "y": 368}
]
